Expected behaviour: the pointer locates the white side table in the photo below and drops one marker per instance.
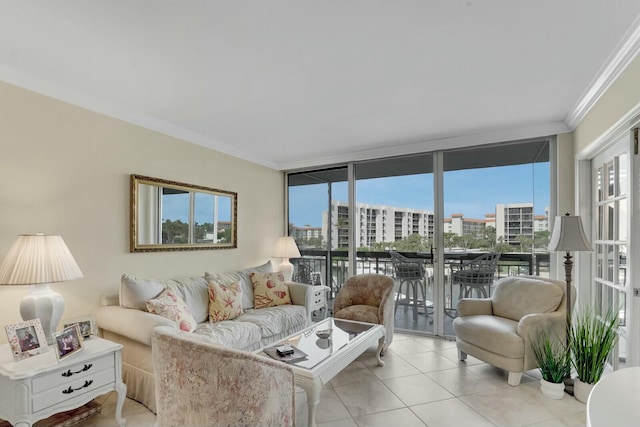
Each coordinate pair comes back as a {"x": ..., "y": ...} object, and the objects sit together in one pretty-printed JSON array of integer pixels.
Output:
[
  {"x": 614, "y": 400},
  {"x": 40, "y": 386},
  {"x": 319, "y": 301}
]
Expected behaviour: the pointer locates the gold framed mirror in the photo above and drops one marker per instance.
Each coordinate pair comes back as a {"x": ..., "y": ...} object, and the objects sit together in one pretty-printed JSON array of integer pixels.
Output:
[{"x": 174, "y": 216}]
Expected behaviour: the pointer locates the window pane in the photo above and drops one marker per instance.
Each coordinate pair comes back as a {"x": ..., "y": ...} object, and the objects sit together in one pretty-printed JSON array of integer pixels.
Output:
[
  {"x": 622, "y": 175},
  {"x": 175, "y": 216},
  {"x": 622, "y": 265},
  {"x": 610, "y": 221},
  {"x": 204, "y": 209},
  {"x": 610, "y": 261},
  {"x": 599, "y": 192},
  {"x": 611, "y": 180},
  {"x": 622, "y": 220}
]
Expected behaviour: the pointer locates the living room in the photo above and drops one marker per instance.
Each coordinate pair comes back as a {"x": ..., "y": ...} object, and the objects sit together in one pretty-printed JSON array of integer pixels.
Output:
[{"x": 67, "y": 159}]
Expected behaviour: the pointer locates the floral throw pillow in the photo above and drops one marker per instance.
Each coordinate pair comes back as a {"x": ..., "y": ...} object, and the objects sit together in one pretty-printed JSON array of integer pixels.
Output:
[
  {"x": 168, "y": 304},
  {"x": 269, "y": 290},
  {"x": 225, "y": 302}
]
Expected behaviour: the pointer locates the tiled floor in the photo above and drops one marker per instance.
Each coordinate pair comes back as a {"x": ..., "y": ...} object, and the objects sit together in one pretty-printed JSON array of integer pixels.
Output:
[{"x": 421, "y": 384}]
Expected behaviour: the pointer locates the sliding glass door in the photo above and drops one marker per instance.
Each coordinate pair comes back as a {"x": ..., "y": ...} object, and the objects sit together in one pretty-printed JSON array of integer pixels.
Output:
[
  {"x": 395, "y": 213},
  {"x": 437, "y": 210}
]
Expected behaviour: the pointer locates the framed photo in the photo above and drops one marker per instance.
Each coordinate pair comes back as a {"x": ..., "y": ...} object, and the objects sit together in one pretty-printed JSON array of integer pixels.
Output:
[
  {"x": 26, "y": 339},
  {"x": 86, "y": 324},
  {"x": 68, "y": 341}
]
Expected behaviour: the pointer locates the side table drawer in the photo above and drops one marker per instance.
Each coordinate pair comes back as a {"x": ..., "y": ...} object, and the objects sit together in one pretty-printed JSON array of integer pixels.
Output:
[
  {"x": 71, "y": 373},
  {"x": 72, "y": 388},
  {"x": 318, "y": 298}
]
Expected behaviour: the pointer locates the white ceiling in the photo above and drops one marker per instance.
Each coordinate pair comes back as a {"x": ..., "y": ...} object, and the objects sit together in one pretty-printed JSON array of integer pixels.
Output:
[{"x": 295, "y": 83}]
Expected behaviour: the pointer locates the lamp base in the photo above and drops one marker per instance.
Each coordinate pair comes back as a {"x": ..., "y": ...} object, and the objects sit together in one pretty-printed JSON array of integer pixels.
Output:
[
  {"x": 287, "y": 269},
  {"x": 45, "y": 304}
]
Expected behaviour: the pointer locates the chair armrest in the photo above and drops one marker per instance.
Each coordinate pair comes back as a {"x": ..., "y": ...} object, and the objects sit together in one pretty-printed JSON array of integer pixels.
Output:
[
  {"x": 530, "y": 327},
  {"x": 299, "y": 293},
  {"x": 474, "y": 306},
  {"x": 131, "y": 323}
]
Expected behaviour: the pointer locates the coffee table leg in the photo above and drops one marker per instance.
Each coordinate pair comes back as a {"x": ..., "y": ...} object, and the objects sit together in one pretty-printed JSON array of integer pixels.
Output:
[
  {"x": 380, "y": 346},
  {"x": 312, "y": 387}
]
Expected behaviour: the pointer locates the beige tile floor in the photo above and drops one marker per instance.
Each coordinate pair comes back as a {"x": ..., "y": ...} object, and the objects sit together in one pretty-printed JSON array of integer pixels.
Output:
[{"x": 421, "y": 384}]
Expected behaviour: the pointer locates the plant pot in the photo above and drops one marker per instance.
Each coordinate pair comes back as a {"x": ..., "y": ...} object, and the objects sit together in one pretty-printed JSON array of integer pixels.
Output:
[
  {"x": 581, "y": 390},
  {"x": 552, "y": 390}
]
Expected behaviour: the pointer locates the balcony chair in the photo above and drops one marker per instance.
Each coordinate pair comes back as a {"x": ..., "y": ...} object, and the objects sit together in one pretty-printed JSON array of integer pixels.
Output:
[
  {"x": 201, "y": 384},
  {"x": 477, "y": 274},
  {"x": 411, "y": 275},
  {"x": 367, "y": 298},
  {"x": 500, "y": 330}
]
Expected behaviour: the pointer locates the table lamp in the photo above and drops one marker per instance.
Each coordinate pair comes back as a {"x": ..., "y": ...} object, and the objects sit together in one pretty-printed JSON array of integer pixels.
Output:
[
  {"x": 286, "y": 248},
  {"x": 568, "y": 235},
  {"x": 40, "y": 260}
]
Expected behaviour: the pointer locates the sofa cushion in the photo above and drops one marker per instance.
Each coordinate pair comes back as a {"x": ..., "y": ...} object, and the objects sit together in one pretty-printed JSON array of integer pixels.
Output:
[
  {"x": 239, "y": 335},
  {"x": 168, "y": 304},
  {"x": 269, "y": 290},
  {"x": 243, "y": 277},
  {"x": 276, "y": 321},
  {"x": 361, "y": 313},
  {"x": 490, "y": 332},
  {"x": 225, "y": 302},
  {"x": 135, "y": 291},
  {"x": 515, "y": 297}
]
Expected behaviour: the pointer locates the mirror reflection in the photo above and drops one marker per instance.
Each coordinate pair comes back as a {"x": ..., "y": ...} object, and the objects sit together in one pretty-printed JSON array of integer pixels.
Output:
[{"x": 168, "y": 215}]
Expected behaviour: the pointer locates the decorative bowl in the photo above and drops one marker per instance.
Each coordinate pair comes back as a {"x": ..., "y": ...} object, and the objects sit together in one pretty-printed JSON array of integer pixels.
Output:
[{"x": 323, "y": 334}]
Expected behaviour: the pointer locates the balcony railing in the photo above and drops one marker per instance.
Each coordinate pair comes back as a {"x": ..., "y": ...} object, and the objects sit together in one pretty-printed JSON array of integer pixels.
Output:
[{"x": 336, "y": 263}]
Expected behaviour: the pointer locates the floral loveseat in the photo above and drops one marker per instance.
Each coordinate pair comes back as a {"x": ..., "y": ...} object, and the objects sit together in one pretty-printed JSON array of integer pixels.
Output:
[{"x": 184, "y": 303}]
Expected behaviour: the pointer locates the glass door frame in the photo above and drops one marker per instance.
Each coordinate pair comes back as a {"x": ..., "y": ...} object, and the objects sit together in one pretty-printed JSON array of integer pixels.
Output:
[{"x": 438, "y": 166}]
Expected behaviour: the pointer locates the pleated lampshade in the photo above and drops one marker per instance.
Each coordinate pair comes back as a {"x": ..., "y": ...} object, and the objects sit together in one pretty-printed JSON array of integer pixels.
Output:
[{"x": 39, "y": 260}]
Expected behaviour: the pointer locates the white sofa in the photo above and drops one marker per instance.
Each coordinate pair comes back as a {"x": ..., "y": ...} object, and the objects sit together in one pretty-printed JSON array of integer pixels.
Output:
[{"x": 123, "y": 318}]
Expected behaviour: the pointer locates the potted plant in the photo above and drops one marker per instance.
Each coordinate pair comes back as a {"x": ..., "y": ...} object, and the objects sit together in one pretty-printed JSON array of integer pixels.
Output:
[
  {"x": 554, "y": 363},
  {"x": 591, "y": 339}
]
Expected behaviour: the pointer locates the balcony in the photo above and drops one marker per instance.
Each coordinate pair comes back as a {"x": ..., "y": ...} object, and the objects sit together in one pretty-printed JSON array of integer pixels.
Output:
[{"x": 510, "y": 264}]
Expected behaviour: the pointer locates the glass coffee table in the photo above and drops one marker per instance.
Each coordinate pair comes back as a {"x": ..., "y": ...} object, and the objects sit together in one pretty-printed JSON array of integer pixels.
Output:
[{"x": 327, "y": 357}]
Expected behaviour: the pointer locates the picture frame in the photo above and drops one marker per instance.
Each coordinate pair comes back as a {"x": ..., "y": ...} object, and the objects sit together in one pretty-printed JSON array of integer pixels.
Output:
[
  {"x": 87, "y": 325},
  {"x": 26, "y": 339},
  {"x": 68, "y": 341}
]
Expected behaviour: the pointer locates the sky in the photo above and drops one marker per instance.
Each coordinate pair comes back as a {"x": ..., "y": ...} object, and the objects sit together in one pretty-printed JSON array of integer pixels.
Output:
[
  {"x": 471, "y": 192},
  {"x": 176, "y": 206}
]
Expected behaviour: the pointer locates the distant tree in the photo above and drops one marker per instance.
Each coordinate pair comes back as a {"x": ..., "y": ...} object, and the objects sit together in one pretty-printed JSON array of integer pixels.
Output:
[
  {"x": 175, "y": 231},
  {"x": 541, "y": 239},
  {"x": 526, "y": 242}
]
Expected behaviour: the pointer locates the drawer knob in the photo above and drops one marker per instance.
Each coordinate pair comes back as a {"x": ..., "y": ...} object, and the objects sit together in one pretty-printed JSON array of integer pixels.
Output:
[
  {"x": 87, "y": 366},
  {"x": 71, "y": 389}
]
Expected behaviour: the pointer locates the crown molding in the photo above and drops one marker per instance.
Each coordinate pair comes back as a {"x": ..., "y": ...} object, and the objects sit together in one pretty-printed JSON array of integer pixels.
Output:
[
  {"x": 628, "y": 48},
  {"x": 78, "y": 99}
]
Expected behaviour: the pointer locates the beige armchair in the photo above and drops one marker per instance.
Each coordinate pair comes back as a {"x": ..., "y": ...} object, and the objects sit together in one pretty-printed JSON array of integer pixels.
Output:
[
  {"x": 201, "y": 384},
  {"x": 367, "y": 298},
  {"x": 499, "y": 330}
]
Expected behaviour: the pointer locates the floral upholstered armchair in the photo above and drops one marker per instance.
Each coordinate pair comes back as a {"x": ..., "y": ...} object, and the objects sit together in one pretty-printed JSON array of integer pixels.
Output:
[
  {"x": 202, "y": 384},
  {"x": 367, "y": 298}
]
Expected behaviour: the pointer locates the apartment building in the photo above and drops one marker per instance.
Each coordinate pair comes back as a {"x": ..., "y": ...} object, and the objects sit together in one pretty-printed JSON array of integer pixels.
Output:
[{"x": 379, "y": 223}]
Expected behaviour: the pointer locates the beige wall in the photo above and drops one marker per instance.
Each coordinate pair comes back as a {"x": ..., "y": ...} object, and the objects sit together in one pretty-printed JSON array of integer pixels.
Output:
[
  {"x": 65, "y": 170},
  {"x": 618, "y": 100}
]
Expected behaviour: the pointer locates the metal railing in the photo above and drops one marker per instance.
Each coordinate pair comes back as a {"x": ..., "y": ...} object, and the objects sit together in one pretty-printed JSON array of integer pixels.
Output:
[{"x": 332, "y": 266}]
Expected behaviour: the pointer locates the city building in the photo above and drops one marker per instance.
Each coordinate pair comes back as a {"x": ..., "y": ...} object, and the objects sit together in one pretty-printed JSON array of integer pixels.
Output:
[{"x": 379, "y": 223}]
